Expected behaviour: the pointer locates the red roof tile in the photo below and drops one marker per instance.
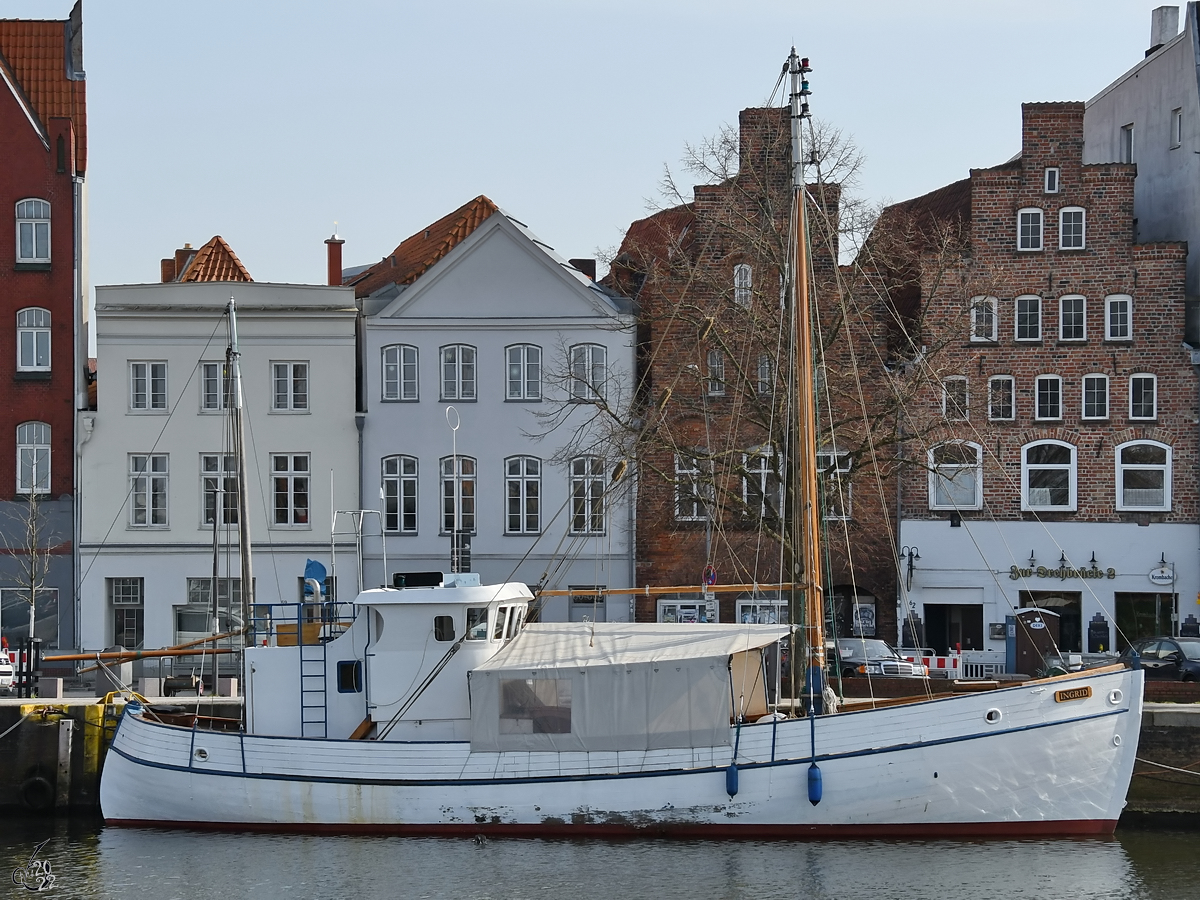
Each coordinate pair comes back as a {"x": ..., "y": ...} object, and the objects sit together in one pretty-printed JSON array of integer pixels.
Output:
[
  {"x": 417, "y": 254},
  {"x": 215, "y": 261},
  {"x": 36, "y": 54}
]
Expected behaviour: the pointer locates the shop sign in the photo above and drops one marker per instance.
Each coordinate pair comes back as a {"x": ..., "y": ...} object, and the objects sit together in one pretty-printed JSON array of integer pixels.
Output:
[
  {"x": 1062, "y": 573},
  {"x": 1161, "y": 575}
]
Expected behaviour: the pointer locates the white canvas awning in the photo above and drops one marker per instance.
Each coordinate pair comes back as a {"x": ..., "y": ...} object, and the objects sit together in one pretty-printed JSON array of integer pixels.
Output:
[{"x": 616, "y": 686}]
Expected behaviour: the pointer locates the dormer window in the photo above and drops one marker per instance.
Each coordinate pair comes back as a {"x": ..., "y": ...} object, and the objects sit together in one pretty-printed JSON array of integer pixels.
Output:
[
  {"x": 33, "y": 231},
  {"x": 1052, "y": 180}
]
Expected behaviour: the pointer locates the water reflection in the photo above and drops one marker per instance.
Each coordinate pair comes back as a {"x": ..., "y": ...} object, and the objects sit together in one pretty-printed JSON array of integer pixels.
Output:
[{"x": 91, "y": 861}]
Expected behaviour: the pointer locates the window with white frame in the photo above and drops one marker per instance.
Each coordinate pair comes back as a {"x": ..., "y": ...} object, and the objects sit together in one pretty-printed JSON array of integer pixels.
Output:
[
  {"x": 1029, "y": 229},
  {"x": 678, "y": 611},
  {"x": 458, "y": 372},
  {"x": 1028, "y": 318},
  {"x": 289, "y": 479},
  {"x": 1095, "y": 396},
  {"x": 219, "y": 488},
  {"x": 1048, "y": 476},
  {"x": 126, "y": 597},
  {"x": 956, "y": 476},
  {"x": 983, "y": 319},
  {"x": 523, "y": 495},
  {"x": 762, "y": 611},
  {"x": 148, "y": 490},
  {"x": 33, "y": 231},
  {"x": 1125, "y": 146},
  {"x": 1143, "y": 396},
  {"x": 743, "y": 285},
  {"x": 524, "y": 372},
  {"x": 716, "y": 373},
  {"x": 215, "y": 386},
  {"x": 692, "y": 490},
  {"x": 762, "y": 488},
  {"x": 1143, "y": 476},
  {"x": 1118, "y": 317},
  {"x": 458, "y": 494},
  {"x": 589, "y": 372},
  {"x": 836, "y": 489},
  {"x": 290, "y": 386},
  {"x": 587, "y": 495},
  {"x": 33, "y": 340},
  {"x": 148, "y": 386},
  {"x": 1072, "y": 318},
  {"x": 33, "y": 458},
  {"x": 1176, "y": 127},
  {"x": 1001, "y": 406},
  {"x": 1072, "y": 228},
  {"x": 400, "y": 494},
  {"x": 1048, "y": 397},
  {"x": 1050, "y": 185},
  {"x": 399, "y": 362},
  {"x": 765, "y": 373},
  {"x": 954, "y": 398}
]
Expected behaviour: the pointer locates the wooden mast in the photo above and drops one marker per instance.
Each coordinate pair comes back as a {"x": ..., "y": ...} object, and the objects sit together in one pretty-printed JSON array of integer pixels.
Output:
[{"x": 806, "y": 507}]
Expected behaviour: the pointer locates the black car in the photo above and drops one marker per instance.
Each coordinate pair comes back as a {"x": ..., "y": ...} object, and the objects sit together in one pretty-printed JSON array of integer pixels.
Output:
[{"x": 1170, "y": 658}]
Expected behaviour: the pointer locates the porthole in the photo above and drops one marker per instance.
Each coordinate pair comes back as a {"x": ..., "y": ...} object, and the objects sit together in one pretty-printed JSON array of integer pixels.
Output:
[
  {"x": 1116, "y": 740},
  {"x": 1114, "y": 696},
  {"x": 993, "y": 716},
  {"x": 200, "y": 753}
]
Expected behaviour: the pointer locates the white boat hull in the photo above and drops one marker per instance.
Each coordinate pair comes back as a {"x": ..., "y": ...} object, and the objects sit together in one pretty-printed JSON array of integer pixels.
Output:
[{"x": 940, "y": 767}]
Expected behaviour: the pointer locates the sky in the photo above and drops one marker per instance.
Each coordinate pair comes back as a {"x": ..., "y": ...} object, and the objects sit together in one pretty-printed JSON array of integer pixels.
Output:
[{"x": 267, "y": 123}]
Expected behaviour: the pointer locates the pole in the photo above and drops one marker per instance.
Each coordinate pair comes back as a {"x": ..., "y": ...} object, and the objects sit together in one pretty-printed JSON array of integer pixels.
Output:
[{"x": 243, "y": 506}]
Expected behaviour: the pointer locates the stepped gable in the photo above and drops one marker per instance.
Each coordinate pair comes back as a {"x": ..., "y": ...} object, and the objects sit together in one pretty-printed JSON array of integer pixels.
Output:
[
  {"x": 45, "y": 59},
  {"x": 215, "y": 261},
  {"x": 418, "y": 253}
]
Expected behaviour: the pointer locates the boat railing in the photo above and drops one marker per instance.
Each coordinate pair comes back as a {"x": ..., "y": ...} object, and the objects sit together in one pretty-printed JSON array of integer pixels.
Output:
[{"x": 301, "y": 624}]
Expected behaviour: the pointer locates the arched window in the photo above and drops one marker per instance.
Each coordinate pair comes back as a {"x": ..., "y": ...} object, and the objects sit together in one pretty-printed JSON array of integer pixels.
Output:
[
  {"x": 1118, "y": 315},
  {"x": 523, "y": 495},
  {"x": 983, "y": 319},
  {"x": 743, "y": 284},
  {"x": 458, "y": 495},
  {"x": 956, "y": 476},
  {"x": 33, "y": 231},
  {"x": 524, "y": 372},
  {"x": 589, "y": 372},
  {"x": 399, "y": 372},
  {"x": 587, "y": 495},
  {"x": 1029, "y": 229},
  {"x": 458, "y": 372},
  {"x": 33, "y": 458},
  {"x": 716, "y": 373},
  {"x": 1048, "y": 476},
  {"x": 1071, "y": 228},
  {"x": 1143, "y": 476},
  {"x": 33, "y": 340},
  {"x": 400, "y": 494}
]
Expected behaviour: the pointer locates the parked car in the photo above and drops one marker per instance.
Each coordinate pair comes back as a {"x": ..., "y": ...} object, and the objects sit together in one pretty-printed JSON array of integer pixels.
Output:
[
  {"x": 1167, "y": 658},
  {"x": 6, "y": 673},
  {"x": 868, "y": 656}
]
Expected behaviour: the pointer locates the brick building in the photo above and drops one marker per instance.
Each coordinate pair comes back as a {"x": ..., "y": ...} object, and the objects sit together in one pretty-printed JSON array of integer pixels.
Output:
[
  {"x": 1061, "y": 471},
  {"x": 710, "y": 279},
  {"x": 43, "y": 258}
]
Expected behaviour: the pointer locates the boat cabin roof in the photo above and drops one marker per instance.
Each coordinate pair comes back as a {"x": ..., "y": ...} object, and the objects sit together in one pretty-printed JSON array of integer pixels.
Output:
[{"x": 475, "y": 595}]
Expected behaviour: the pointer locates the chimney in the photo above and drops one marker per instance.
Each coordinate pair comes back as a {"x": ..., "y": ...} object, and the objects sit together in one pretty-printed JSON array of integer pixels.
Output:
[
  {"x": 167, "y": 267},
  {"x": 333, "y": 247},
  {"x": 586, "y": 266},
  {"x": 1164, "y": 25}
]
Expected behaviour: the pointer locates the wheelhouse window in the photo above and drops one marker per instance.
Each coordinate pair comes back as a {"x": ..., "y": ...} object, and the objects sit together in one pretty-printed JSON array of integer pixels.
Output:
[
  {"x": 954, "y": 398},
  {"x": 1144, "y": 476},
  {"x": 399, "y": 363},
  {"x": 148, "y": 386},
  {"x": 1072, "y": 318},
  {"x": 289, "y": 476},
  {"x": 33, "y": 458},
  {"x": 1000, "y": 398},
  {"x": 400, "y": 494},
  {"x": 1029, "y": 229},
  {"x": 1118, "y": 317},
  {"x": 1095, "y": 396},
  {"x": 1029, "y": 318},
  {"x": 1048, "y": 400},
  {"x": 33, "y": 340},
  {"x": 983, "y": 319},
  {"x": 218, "y": 485},
  {"x": 290, "y": 386},
  {"x": 458, "y": 372},
  {"x": 589, "y": 372},
  {"x": 956, "y": 476},
  {"x": 743, "y": 285},
  {"x": 587, "y": 495},
  {"x": 523, "y": 495},
  {"x": 691, "y": 490},
  {"x": 147, "y": 490},
  {"x": 716, "y": 373},
  {"x": 1071, "y": 228},
  {"x": 1143, "y": 397},
  {"x": 1048, "y": 472},
  {"x": 33, "y": 231},
  {"x": 524, "y": 372},
  {"x": 458, "y": 494}
]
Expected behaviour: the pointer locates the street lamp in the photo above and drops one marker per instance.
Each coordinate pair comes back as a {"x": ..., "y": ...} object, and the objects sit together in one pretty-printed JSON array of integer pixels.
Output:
[{"x": 911, "y": 554}]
